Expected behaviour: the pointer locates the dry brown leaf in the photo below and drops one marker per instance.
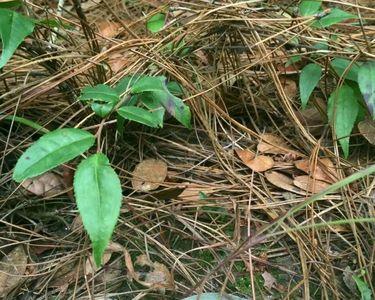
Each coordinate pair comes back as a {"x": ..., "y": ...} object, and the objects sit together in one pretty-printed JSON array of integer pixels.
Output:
[
  {"x": 273, "y": 144},
  {"x": 367, "y": 129},
  {"x": 118, "y": 61},
  {"x": 65, "y": 275},
  {"x": 12, "y": 268},
  {"x": 269, "y": 280},
  {"x": 310, "y": 185},
  {"x": 149, "y": 174},
  {"x": 282, "y": 181},
  {"x": 258, "y": 163},
  {"x": 109, "y": 29},
  {"x": 90, "y": 266},
  {"x": 327, "y": 174},
  {"x": 289, "y": 86},
  {"x": 193, "y": 192},
  {"x": 47, "y": 184}
]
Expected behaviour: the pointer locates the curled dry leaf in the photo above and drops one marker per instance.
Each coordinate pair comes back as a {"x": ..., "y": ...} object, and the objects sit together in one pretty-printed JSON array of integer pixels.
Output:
[
  {"x": 258, "y": 163},
  {"x": 283, "y": 182},
  {"x": 193, "y": 192},
  {"x": 65, "y": 275},
  {"x": 273, "y": 144},
  {"x": 12, "y": 268},
  {"x": 367, "y": 129},
  {"x": 324, "y": 169},
  {"x": 91, "y": 268},
  {"x": 47, "y": 184},
  {"x": 149, "y": 175},
  {"x": 309, "y": 184}
]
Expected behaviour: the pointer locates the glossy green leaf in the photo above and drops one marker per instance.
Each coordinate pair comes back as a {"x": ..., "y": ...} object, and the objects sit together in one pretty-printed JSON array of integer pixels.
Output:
[
  {"x": 366, "y": 82},
  {"x": 102, "y": 97},
  {"x": 156, "y": 22},
  {"x": 174, "y": 106},
  {"x": 149, "y": 84},
  {"x": 214, "y": 296},
  {"x": 340, "y": 65},
  {"x": 309, "y": 7},
  {"x": 153, "y": 106},
  {"x": 335, "y": 16},
  {"x": 51, "y": 150},
  {"x": 342, "y": 112},
  {"x": 140, "y": 115},
  {"x": 98, "y": 194},
  {"x": 14, "y": 28},
  {"x": 308, "y": 80}
]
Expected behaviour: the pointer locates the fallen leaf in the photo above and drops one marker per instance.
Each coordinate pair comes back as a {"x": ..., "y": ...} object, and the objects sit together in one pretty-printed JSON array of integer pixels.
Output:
[
  {"x": 282, "y": 181},
  {"x": 258, "y": 163},
  {"x": 309, "y": 184},
  {"x": 273, "y": 144},
  {"x": 149, "y": 174},
  {"x": 118, "y": 61},
  {"x": 324, "y": 169},
  {"x": 367, "y": 129},
  {"x": 289, "y": 86},
  {"x": 65, "y": 275},
  {"x": 90, "y": 266},
  {"x": 109, "y": 29},
  {"x": 347, "y": 277},
  {"x": 193, "y": 191},
  {"x": 12, "y": 268},
  {"x": 269, "y": 280},
  {"x": 47, "y": 184}
]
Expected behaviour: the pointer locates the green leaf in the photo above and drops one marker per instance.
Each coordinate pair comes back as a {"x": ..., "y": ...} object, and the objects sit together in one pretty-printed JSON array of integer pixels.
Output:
[
  {"x": 334, "y": 16},
  {"x": 51, "y": 150},
  {"x": 10, "y": 4},
  {"x": 27, "y": 122},
  {"x": 175, "y": 88},
  {"x": 100, "y": 92},
  {"x": 103, "y": 96},
  {"x": 340, "y": 65},
  {"x": 309, "y": 7},
  {"x": 363, "y": 288},
  {"x": 98, "y": 194},
  {"x": 139, "y": 115},
  {"x": 149, "y": 84},
  {"x": 126, "y": 83},
  {"x": 342, "y": 112},
  {"x": 366, "y": 82},
  {"x": 14, "y": 28},
  {"x": 154, "y": 106},
  {"x": 156, "y": 22},
  {"x": 174, "y": 106},
  {"x": 309, "y": 78},
  {"x": 293, "y": 59},
  {"x": 214, "y": 296}
]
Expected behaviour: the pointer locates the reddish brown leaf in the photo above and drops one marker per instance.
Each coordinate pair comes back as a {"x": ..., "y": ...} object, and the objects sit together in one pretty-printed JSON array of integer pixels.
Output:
[
  {"x": 273, "y": 144},
  {"x": 47, "y": 184},
  {"x": 324, "y": 169},
  {"x": 367, "y": 129},
  {"x": 282, "y": 181}
]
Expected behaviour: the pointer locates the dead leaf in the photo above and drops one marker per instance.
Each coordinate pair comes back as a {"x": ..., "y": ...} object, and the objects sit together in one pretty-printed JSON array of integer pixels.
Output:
[
  {"x": 367, "y": 129},
  {"x": 347, "y": 277},
  {"x": 47, "y": 184},
  {"x": 193, "y": 191},
  {"x": 118, "y": 61},
  {"x": 65, "y": 275},
  {"x": 326, "y": 173},
  {"x": 282, "y": 181},
  {"x": 269, "y": 280},
  {"x": 12, "y": 268},
  {"x": 109, "y": 29},
  {"x": 309, "y": 184},
  {"x": 149, "y": 174},
  {"x": 273, "y": 144},
  {"x": 258, "y": 163},
  {"x": 289, "y": 86},
  {"x": 90, "y": 266}
]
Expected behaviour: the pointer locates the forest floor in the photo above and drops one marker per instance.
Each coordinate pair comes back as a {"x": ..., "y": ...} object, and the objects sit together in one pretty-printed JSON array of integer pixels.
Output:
[{"x": 252, "y": 204}]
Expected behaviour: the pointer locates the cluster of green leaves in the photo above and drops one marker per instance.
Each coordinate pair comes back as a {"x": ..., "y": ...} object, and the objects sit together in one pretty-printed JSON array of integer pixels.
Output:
[
  {"x": 345, "y": 107},
  {"x": 96, "y": 185},
  {"x": 308, "y": 8},
  {"x": 146, "y": 100},
  {"x": 345, "y": 104}
]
